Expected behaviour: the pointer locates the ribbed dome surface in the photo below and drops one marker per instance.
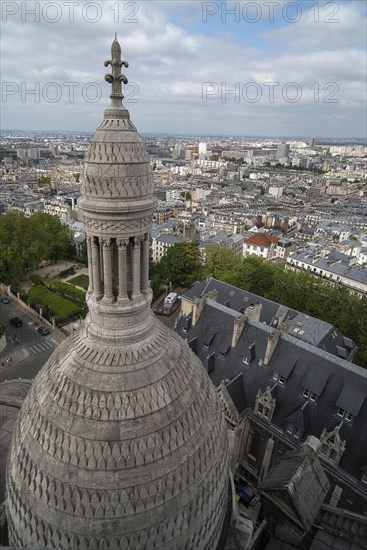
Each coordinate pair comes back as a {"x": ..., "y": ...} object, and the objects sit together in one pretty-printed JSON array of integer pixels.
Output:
[
  {"x": 119, "y": 448},
  {"x": 121, "y": 442}
]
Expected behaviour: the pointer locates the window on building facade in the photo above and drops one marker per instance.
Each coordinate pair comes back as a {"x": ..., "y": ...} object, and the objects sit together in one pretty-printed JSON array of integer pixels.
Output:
[
  {"x": 332, "y": 455},
  {"x": 279, "y": 378},
  {"x": 324, "y": 449},
  {"x": 309, "y": 395},
  {"x": 345, "y": 414},
  {"x": 329, "y": 454},
  {"x": 293, "y": 430}
]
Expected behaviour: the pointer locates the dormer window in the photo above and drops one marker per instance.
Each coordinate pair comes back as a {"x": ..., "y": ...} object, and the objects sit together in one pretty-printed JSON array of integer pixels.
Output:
[
  {"x": 329, "y": 454},
  {"x": 364, "y": 477},
  {"x": 264, "y": 404},
  {"x": 279, "y": 378},
  {"x": 345, "y": 414},
  {"x": 332, "y": 447},
  {"x": 292, "y": 429},
  {"x": 309, "y": 395},
  {"x": 245, "y": 360}
]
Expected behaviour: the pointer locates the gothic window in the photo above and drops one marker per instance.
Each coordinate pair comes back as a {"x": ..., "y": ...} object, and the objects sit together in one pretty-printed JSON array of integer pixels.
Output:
[
  {"x": 332, "y": 455},
  {"x": 329, "y": 454},
  {"x": 265, "y": 404},
  {"x": 332, "y": 447},
  {"x": 324, "y": 449}
]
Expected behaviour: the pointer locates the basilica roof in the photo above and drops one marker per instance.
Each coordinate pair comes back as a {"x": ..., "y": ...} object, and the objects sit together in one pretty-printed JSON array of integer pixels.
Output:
[{"x": 121, "y": 442}]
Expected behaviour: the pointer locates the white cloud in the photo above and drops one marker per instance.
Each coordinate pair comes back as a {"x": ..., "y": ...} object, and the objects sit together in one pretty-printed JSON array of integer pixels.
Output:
[{"x": 169, "y": 61}]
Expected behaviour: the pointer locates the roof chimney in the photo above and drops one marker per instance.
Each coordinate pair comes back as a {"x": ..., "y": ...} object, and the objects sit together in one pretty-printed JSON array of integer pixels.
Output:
[
  {"x": 238, "y": 326},
  {"x": 197, "y": 308},
  {"x": 254, "y": 311},
  {"x": 213, "y": 294},
  {"x": 270, "y": 346}
]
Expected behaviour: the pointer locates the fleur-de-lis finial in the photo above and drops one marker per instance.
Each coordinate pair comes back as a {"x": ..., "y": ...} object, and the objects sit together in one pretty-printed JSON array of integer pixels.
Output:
[{"x": 116, "y": 77}]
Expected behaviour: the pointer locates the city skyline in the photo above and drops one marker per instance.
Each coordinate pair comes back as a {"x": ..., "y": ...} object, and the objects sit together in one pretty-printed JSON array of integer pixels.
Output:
[{"x": 258, "y": 69}]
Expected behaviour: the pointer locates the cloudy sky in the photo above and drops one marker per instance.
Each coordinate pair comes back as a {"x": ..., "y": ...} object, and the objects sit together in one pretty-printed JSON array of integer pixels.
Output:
[{"x": 252, "y": 68}]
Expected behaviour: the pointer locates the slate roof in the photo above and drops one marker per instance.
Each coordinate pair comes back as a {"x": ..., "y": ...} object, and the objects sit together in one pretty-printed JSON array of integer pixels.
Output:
[
  {"x": 301, "y": 364},
  {"x": 236, "y": 390},
  {"x": 172, "y": 239},
  {"x": 312, "y": 330},
  {"x": 300, "y": 475}
]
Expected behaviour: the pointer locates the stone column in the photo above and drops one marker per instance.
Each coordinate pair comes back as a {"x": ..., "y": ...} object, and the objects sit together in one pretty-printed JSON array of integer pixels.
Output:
[
  {"x": 145, "y": 265},
  {"x": 122, "y": 272},
  {"x": 136, "y": 267},
  {"x": 90, "y": 264},
  {"x": 107, "y": 270},
  {"x": 96, "y": 268}
]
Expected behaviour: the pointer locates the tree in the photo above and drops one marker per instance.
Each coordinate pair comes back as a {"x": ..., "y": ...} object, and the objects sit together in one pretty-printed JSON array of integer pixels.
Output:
[
  {"x": 222, "y": 263},
  {"x": 295, "y": 289},
  {"x": 181, "y": 263},
  {"x": 25, "y": 242}
]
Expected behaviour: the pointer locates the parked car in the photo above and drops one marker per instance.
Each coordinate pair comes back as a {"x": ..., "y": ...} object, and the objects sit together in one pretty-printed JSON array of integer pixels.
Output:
[
  {"x": 43, "y": 330},
  {"x": 4, "y": 300},
  {"x": 16, "y": 322},
  {"x": 12, "y": 338}
]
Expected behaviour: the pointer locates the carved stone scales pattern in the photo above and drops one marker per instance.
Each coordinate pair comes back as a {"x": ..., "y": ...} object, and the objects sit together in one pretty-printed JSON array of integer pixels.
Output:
[{"x": 121, "y": 442}]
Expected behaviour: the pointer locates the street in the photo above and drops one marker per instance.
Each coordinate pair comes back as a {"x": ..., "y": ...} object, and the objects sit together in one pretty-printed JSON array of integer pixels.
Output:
[{"x": 23, "y": 357}]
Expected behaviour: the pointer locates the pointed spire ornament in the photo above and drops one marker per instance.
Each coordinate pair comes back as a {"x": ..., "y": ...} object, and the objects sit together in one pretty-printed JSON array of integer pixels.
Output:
[{"x": 116, "y": 77}]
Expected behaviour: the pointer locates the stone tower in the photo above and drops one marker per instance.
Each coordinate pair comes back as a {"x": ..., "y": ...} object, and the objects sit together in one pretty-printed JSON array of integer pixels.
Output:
[{"x": 120, "y": 443}]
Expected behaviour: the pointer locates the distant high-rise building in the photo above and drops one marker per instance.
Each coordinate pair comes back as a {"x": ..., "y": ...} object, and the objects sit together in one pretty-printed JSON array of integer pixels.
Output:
[
  {"x": 202, "y": 149},
  {"x": 21, "y": 153},
  {"x": 311, "y": 142},
  {"x": 34, "y": 154},
  {"x": 178, "y": 151},
  {"x": 283, "y": 151}
]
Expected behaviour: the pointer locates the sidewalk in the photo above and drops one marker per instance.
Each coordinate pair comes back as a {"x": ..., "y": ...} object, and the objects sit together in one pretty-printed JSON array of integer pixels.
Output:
[{"x": 13, "y": 354}]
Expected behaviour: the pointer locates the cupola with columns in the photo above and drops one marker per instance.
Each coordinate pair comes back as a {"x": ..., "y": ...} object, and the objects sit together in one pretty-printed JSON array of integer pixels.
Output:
[{"x": 118, "y": 205}]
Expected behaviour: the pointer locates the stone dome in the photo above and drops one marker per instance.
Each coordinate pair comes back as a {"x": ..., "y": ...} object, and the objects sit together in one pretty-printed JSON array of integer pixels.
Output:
[{"x": 121, "y": 442}]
